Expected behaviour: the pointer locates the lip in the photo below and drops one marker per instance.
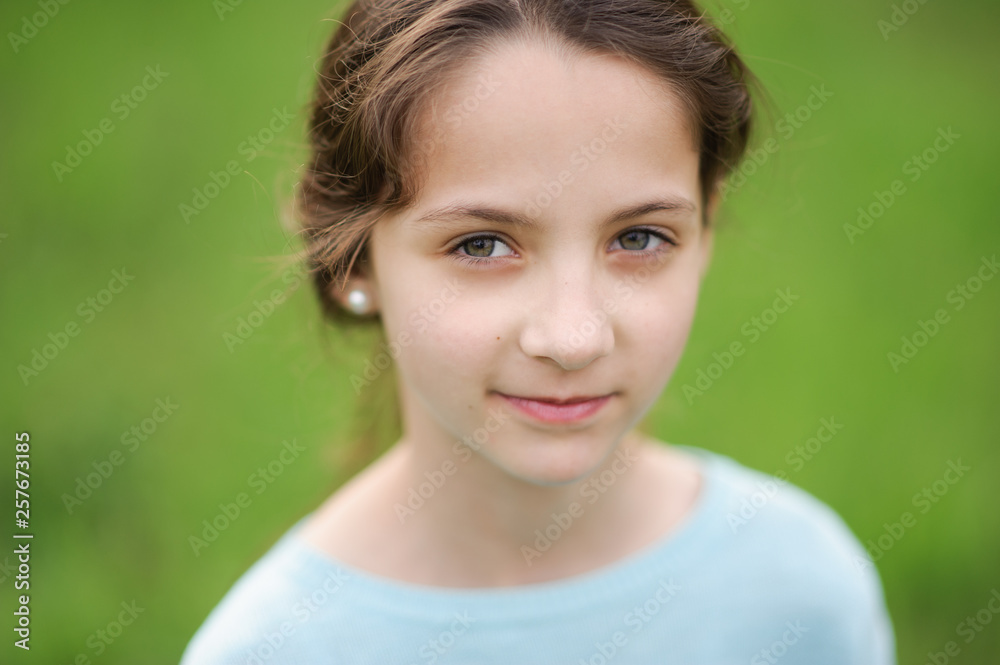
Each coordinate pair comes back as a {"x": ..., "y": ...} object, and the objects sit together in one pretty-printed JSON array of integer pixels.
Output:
[{"x": 558, "y": 410}]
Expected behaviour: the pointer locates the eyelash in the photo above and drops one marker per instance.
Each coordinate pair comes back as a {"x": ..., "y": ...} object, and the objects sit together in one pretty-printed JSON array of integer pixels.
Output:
[{"x": 478, "y": 261}]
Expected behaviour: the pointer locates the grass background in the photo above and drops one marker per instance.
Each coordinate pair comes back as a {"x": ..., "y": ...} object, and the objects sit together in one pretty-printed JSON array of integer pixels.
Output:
[{"x": 163, "y": 336}]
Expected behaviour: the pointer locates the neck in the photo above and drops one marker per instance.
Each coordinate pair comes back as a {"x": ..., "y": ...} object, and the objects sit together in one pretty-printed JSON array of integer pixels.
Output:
[{"x": 470, "y": 523}]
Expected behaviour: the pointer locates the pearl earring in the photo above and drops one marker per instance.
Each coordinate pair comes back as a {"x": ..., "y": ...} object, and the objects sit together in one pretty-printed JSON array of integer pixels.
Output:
[{"x": 357, "y": 301}]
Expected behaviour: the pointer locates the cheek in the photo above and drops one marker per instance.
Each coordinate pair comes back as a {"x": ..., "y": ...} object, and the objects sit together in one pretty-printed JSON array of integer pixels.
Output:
[
  {"x": 659, "y": 322},
  {"x": 446, "y": 350}
]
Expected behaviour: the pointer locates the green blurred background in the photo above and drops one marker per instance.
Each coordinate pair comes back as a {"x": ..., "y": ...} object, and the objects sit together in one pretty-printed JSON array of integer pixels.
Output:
[{"x": 163, "y": 337}]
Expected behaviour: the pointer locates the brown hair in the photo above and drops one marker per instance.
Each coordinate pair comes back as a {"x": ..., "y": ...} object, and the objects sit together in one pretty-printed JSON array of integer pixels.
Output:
[{"x": 388, "y": 57}]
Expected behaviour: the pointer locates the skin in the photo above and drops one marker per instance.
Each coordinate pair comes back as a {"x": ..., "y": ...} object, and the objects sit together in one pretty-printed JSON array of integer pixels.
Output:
[{"x": 526, "y": 322}]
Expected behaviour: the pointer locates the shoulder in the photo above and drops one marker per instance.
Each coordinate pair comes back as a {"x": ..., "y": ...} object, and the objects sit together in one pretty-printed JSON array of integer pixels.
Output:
[
  {"x": 264, "y": 616},
  {"x": 791, "y": 553},
  {"x": 756, "y": 504}
]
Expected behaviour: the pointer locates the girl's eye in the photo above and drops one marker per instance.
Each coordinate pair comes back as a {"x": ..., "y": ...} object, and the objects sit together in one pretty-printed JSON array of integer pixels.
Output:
[
  {"x": 640, "y": 239},
  {"x": 482, "y": 247},
  {"x": 485, "y": 247}
]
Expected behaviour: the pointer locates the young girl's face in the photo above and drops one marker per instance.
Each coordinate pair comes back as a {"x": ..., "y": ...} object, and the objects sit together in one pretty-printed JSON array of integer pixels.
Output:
[{"x": 568, "y": 266}]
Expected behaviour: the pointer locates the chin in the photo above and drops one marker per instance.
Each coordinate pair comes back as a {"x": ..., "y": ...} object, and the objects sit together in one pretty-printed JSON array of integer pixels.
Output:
[{"x": 553, "y": 463}]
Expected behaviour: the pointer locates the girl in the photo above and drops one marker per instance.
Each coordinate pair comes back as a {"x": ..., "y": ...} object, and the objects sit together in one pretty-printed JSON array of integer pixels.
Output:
[{"x": 520, "y": 193}]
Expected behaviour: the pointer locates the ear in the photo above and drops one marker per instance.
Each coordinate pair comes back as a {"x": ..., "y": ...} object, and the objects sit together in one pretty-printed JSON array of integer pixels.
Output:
[
  {"x": 708, "y": 230},
  {"x": 712, "y": 204},
  {"x": 360, "y": 280},
  {"x": 707, "y": 241}
]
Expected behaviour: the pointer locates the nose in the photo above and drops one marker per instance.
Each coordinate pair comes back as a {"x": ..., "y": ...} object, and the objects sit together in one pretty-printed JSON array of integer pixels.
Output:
[{"x": 566, "y": 323}]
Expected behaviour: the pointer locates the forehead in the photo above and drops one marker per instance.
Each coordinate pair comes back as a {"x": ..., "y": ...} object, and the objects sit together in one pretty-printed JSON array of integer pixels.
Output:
[{"x": 525, "y": 116}]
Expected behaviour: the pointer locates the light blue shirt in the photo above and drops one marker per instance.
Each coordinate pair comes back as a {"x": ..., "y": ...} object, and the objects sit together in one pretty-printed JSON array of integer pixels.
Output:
[{"x": 760, "y": 572}]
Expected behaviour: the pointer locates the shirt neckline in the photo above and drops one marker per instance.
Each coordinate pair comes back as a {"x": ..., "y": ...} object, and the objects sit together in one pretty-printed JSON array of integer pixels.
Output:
[{"x": 664, "y": 557}]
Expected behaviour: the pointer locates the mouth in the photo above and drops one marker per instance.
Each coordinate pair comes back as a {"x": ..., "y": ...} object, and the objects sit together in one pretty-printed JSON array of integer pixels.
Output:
[{"x": 558, "y": 409}]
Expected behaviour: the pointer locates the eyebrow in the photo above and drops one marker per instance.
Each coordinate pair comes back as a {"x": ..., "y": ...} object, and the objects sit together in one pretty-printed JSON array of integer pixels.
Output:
[{"x": 455, "y": 211}]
